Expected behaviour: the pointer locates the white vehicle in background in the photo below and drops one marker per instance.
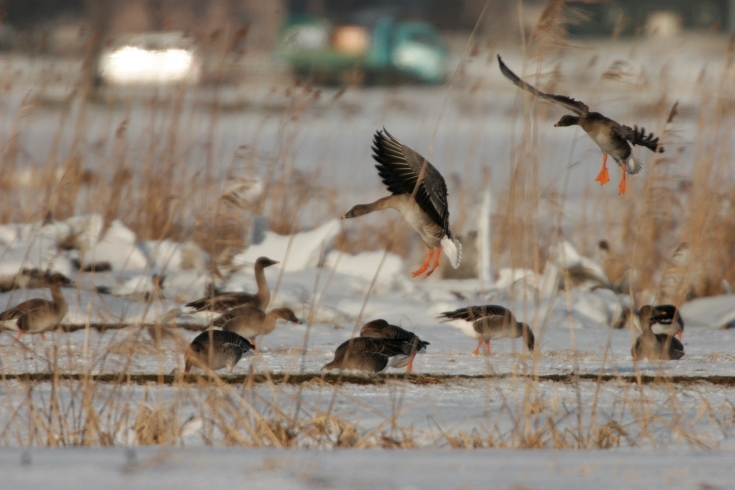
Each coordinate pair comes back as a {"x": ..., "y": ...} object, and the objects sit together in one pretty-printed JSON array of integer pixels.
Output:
[{"x": 152, "y": 58}]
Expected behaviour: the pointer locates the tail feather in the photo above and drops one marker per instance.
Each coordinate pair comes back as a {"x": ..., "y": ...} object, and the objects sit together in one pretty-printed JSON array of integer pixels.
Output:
[
  {"x": 633, "y": 166},
  {"x": 452, "y": 249}
]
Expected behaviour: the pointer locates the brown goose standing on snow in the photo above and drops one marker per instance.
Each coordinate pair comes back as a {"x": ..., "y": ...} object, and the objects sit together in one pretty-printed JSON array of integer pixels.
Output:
[
  {"x": 400, "y": 167},
  {"x": 381, "y": 329},
  {"x": 371, "y": 355},
  {"x": 657, "y": 346},
  {"x": 250, "y": 322},
  {"x": 612, "y": 137},
  {"x": 39, "y": 315},
  {"x": 216, "y": 349},
  {"x": 489, "y": 322},
  {"x": 224, "y": 301}
]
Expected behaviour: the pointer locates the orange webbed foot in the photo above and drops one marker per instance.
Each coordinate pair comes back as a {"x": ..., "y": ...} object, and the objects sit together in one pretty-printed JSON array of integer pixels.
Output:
[
  {"x": 423, "y": 268},
  {"x": 477, "y": 351},
  {"x": 604, "y": 176},
  {"x": 436, "y": 261}
]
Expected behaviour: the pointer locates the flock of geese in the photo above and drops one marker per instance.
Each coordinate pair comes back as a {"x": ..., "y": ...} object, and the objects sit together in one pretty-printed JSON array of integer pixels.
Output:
[{"x": 418, "y": 191}]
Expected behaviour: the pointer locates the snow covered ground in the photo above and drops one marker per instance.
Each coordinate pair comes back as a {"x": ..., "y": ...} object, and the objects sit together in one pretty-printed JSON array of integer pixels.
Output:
[
  {"x": 678, "y": 435},
  {"x": 149, "y": 468},
  {"x": 573, "y": 335}
]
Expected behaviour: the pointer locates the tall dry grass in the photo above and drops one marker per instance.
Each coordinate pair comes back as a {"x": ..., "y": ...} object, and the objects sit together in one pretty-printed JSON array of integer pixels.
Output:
[{"x": 677, "y": 234}]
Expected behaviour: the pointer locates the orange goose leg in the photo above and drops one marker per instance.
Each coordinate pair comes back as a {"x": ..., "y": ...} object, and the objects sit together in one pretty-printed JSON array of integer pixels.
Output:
[
  {"x": 487, "y": 347},
  {"x": 680, "y": 334},
  {"x": 409, "y": 368},
  {"x": 436, "y": 261},
  {"x": 43, "y": 337},
  {"x": 426, "y": 264},
  {"x": 604, "y": 176},
  {"x": 477, "y": 351},
  {"x": 622, "y": 183},
  {"x": 20, "y": 334}
]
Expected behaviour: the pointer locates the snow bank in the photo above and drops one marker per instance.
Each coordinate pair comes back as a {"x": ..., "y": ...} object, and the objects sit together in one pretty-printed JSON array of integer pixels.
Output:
[
  {"x": 118, "y": 247},
  {"x": 713, "y": 312},
  {"x": 306, "y": 247},
  {"x": 364, "y": 266}
]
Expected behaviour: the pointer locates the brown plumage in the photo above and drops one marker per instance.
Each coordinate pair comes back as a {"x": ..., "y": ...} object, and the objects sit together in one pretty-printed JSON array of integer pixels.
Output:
[
  {"x": 250, "y": 322},
  {"x": 215, "y": 349},
  {"x": 371, "y": 355},
  {"x": 658, "y": 346},
  {"x": 613, "y": 138},
  {"x": 39, "y": 315},
  {"x": 488, "y": 322},
  {"x": 381, "y": 329},
  {"x": 224, "y": 301},
  {"x": 428, "y": 213}
]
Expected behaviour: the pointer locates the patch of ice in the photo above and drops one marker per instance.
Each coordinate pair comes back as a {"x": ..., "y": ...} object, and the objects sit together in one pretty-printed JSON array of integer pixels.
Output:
[
  {"x": 86, "y": 229},
  {"x": 365, "y": 266},
  {"x": 507, "y": 277},
  {"x": 164, "y": 255},
  {"x": 138, "y": 285},
  {"x": 305, "y": 247},
  {"x": 584, "y": 272},
  {"x": 712, "y": 312},
  {"x": 41, "y": 254},
  {"x": 117, "y": 247}
]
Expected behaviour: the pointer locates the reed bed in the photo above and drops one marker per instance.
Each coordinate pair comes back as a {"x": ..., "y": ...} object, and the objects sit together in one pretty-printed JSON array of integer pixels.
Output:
[{"x": 157, "y": 165}]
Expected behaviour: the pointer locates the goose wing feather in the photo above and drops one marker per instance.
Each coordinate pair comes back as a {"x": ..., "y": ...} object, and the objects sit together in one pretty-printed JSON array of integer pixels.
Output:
[
  {"x": 249, "y": 312},
  {"x": 399, "y": 167},
  {"x": 575, "y": 106},
  {"x": 473, "y": 313},
  {"x": 23, "y": 308},
  {"x": 638, "y": 136}
]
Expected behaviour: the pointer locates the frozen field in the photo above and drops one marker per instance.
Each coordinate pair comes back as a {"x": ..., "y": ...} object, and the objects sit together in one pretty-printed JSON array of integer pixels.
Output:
[
  {"x": 553, "y": 470},
  {"x": 672, "y": 429},
  {"x": 455, "y": 399}
]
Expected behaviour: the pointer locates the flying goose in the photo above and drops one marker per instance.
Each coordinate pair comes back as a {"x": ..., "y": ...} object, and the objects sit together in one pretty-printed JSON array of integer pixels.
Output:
[
  {"x": 400, "y": 167},
  {"x": 223, "y": 301},
  {"x": 372, "y": 355},
  {"x": 381, "y": 329},
  {"x": 612, "y": 137},
  {"x": 250, "y": 322},
  {"x": 486, "y": 323},
  {"x": 39, "y": 315},
  {"x": 653, "y": 346},
  {"x": 216, "y": 349}
]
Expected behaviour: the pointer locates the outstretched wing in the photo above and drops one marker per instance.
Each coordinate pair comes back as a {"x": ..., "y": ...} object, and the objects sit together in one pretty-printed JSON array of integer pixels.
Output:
[
  {"x": 638, "y": 136},
  {"x": 575, "y": 106},
  {"x": 399, "y": 167}
]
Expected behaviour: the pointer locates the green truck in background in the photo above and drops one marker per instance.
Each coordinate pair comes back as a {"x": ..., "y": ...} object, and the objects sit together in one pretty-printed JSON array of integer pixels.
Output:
[{"x": 388, "y": 52}]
